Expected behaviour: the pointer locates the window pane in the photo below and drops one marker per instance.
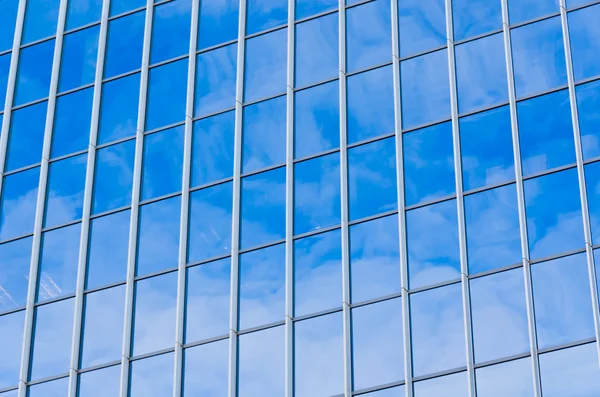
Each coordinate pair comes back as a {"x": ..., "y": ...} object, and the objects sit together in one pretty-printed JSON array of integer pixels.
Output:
[
  {"x": 72, "y": 123},
  {"x": 319, "y": 356},
  {"x": 368, "y": 35},
  {"x": 588, "y": 101},
  {"x": 152, "y": 376},
  {"x": 449, "y": 385},
  {"x": 218, "y": 22},
  {"x": 41, "y": 17},
  {"x": 563, "y": 308},
  {"x": 124, "y": 43},
  {"x": 79, "y": 53},
  {"x": 14, "y": 273},
  {"x": 428, "y": 164},
  {"x": 8, "y": 18},
  {"x": 584, "y": 43},
  {"x": 55, "y": 388},
  {"x": 265, "y": 14},
  {"x": 207, "y": 301},
  {"x": 513, "y": 378},
  {"x": 266, "y": 62},
  {"x": 167, "y": 87},
  {"x": 35, "y": 70},
  {"x": 206, "y": 369},
  {"x": 11, "y": 329},
  {"x": 432, "y": 239},
  {"x": 422, "y": 25},
  {"x": 102, "y": 327},
  {"x": 210, "y": 222},
  {"x": 370, "y": 104},
  {"x": 83, "y": 12},
  {"x": 592, "y": 176},
  {"x": 372, "y": 178},
  {"x": 4, "y": 69},
  {"x": 573, "y": 372},
  {"x": 64, "y": 197},
  {"x": 119, "y": 109},
  {"x": 163, "y": 163},
  {"x": 106, "y": 380},
  {"x": 305, "y": 8},
  {"x": 389, "y": 392},
  {"x": 113, "y": 178},
  {"x": 262, "y": 287},
  {"x": 170, "y": 30},
  {"x": 121, "y": 6},
  {"x": 215, "y": 80},
  {"x": 26, "y": 136},
  {"x": 317, "y": 273},
  {"x": 475, "y": 17},
  {"x": 374, "y": 259},
  {"x": 317, "y": 50},
  {"x": 524, "y": 10},
  {"x": 17, "y": 208},
  {"x": 158, "y": 243}
]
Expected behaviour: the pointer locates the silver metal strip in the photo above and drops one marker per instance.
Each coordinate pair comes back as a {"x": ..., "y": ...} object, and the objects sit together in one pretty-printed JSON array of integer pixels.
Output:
[{"x": 521, "y": 201}]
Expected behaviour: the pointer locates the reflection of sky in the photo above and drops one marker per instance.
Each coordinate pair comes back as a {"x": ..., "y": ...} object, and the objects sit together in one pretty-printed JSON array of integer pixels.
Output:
[
  {"x": 17, "y": 208},
  {"x": 305, "y": 8},
  {"x": 513, "y": 378},
  {"x": 206, "y": 369},
  {"x": 584, "y": 31},
  {"x": 422, "y": 25},
  {"x": 8, "y": 17},
  {"x": 588, "y": 100},
  {"x": 113, "y": 177},
  {"x": 215, "y": 80},
  {"x": 41, "y": 17},
  {"x": 267, "y": 348},
  {"x": 316, "y": 50},
  {"x": 26, "y": 136},
  {"x": 265, "y": 14},
  {"x": 449, "y": 385},
  {"x": 266, "y": 61},
  {"x": 390, "y": 392},
  {"x": 474, "y": 17},
  {"x": 64, "y": 197},
  {"x": 4, "y": 66},
  {"x": 592, "y": 179},
  {"x": 167, "y": 89},
  {"x": 170, "y": 30},
  {"x": 119, "y": 108},
  {"x": 152, "y": 377},
  {"x": 35, "y": 69},
  {"x": 11, "y": 329},
  {"x": 82, "y": 12},
  {"x": 79, "y": 54},
  {"x": 55, "y": 388},
  {"x": 163, "y": 163},
  {"x": 14, "y": 273},
  {"x": 218, "y": 22},
  {"x": 524, "y": 10},
  {"x": 72, "y": 123},
  {"x": 124, "y": 43},
  {"x": 99, "y": 383},
  {"x": 368, "y": 35}
]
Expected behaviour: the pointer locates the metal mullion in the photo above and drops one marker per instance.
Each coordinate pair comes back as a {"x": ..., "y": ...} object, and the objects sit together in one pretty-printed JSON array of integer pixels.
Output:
[
  {"x": 533, "y": 345},
  {"x": 135, "y": 200},
  {"x": 581, "y": 174}
]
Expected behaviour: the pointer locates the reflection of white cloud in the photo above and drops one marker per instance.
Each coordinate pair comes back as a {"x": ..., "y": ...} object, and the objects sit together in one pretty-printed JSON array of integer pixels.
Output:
[
  {"x": 14, "y": 273},
  {"x": 55, "y": 388},
  {"x": 316, "y": 54},
  {"x": 449, "y": 385},
  {"x": 266, "y": 59},
  {"x": 207, "y": 369},
  {"x": 152, "y": 377},
  {"x": 369, "y": 40},
  {"x": 514, "y": 378},
  {"x": 215, "y": 80},
  {"x": 17, "y": 208},
  {"x": 570, "y": 372},
  {"x": 100, "y": 383},
  {"x": 11, "y": 329}
]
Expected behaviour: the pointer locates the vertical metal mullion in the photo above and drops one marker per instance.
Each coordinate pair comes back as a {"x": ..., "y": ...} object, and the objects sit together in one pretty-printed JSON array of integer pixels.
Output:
[
  {"x": 521, "y": 201},
  {"x": 87, "y": 204},
  {"x": 185, "y": 203},
  {"x": 135, "y": 200},
  {"x": 581, "y": 173}
]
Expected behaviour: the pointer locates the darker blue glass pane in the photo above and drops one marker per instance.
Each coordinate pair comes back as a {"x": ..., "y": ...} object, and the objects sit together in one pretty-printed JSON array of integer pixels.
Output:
[
  {"x": 306, "y": 8},
  {"x": 573, "y": 371},
  {"x": 64, "y": 198},
  {"x": 546, "y": 132},
  {"x": 370, "y": 104},
  {"x": 475, "y": 17},
  {"x": 513, "y": 378},
  {"x": 584, "y": 42},
  {"x": 41, "y": 17},
  {"x": 212, "y": 149},
  {"x": 524, "y": 10},
  {"x": 211, "y": 359},
  {"x": 14, "y": 273},
  {"x": 154, "y": 373},
  {"x": 35, "y": 70},
  {"x": 372, "y": 178},
  {"x": 316, "y": 119},
  {"x": 422, "y": 25},
  {"x": 428, "y": 164},
  {"x": 266, "y": 61},
  {"x": 26, "y": 136},
  {"x": 163, "y": 163},
  {"x": 553, "y": 210},
  {"x": 72, "y": 123},
  {"x": 215, "y": 80},
  {"x": 316, "y": 50},
  {"x": 538, "y": 57},
  {"x": 265, "y": 14},
  {"x": 8, "y": 19},
  {"x": 170, "y": 30},
  {"x": 368, "y": 35},
  {"x": 119, "y": 109},
  {"x": 11, "y": 343},
  {"x": 592, "y": 184},
  {"x": 83, "y": 12},
  {"x": 262, "y": 362},
  {"x": 78, "y": 65},
  {"x": 167, "y": 87},
  {"x": 124, "y": 44},
  {"x": 486, "y": 148},
  {"x": 113, "y": 177},
  {"x": 17, "y": 208},
  {"x": 588, "y": 103},
  {"x": 120, "y": 6},
  {"x": 263, "y": 134},
  {"x": 432, "y": 240},
  {"x": 425, "y": 89},
  {"x": 4, "y": 68},
  {"x": 218, "y": 22}
]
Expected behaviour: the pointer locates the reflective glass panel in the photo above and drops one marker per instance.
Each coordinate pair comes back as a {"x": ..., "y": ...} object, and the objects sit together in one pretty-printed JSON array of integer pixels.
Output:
[
  {"x": 120, "y": 6},
  {"x": 95, "y": 383},
  {"x": 588, "y": 100},
  {"x": 82, "y": 12},
  {"x": 113, "y": 177},
  {"x": 525, "y": 10},
  {"x": 305, "y": 8},
  {"x": 266, "y": 62},
  {"x": 14, "y": 273},
  {"x": 119, "y": 108},
  {"x": 218, "y": 22},
  {"x": 124, "y": 44},
  {"x": 64, "y": 196},
  {"x": 8, "y": 18},
  {"x": 206, "y": 369},
  {"x": 389, "y": 392},
  {"x": 422, "y": 25},
  {"x": 11, "y": 329},
  {"x": 72, "y": 123},
  {"x": 41, "y": 17},
  {"x": 26, "y": 136},
  {"x": 17, "y": 208},
  {"x": 368, "y": 35},
  {"x": 35, "y": 70},
  {"x": 215, "y": 80},
  {"x": 449, "y": 385},
  {"x": 55, "y": 388},
  {"x": 163, "y": 163},
  {"x": 79, "y": 53},
  {"x": 573, "y": 372},
  {"x": 261, "y": 362},
  {"x": 170, "y": 30},
  {"x": 592, "y": 177},
  {"x": 584, "y": 43},
  {"x": 167, "y": 86},
  {"x": 507, "y": 379},
  {"x": 4, "y": 68},
  {"x": 152, "y": 376},
  {"x": 316, "y": 50},
  {"x": 475, "y": 17},
  {"x": 265, "y": 14}
]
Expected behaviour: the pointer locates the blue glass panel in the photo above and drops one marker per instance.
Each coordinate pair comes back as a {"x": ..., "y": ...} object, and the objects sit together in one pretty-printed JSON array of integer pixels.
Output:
[
  {"x": 316, "y": 119},
  {"x": 432, "y": 238},
  {"x": 17, "y": 208},
  {"x": 428, "y": 164},
  {"x": 83, "y": 12},
  {"x": 210, "y": 222},
  {"x": 119, "y": 109},
  {"x": 263, "y": 136},
  {"x": 597, "y": 260},
  {"x": 553, "y": 208},
  {"x": 319, "y": 356},
  {"x": 4, "y": 69},
  {"x": 215, "y": 80},
  {"x": 79, "y": 53},
  {"x": 14, "y": 273},
  {"x": 124, "y": 44},
  {"x": 266, "y": 62},
  {"x": 263, "y": 208},
  {"x": 584, "y": 42},
  {"x": 377, "y": 355},
  {"x": 114, "y": 177},
  {"x": 262, "y": 287},
  {"x": 11, "y": 326},
  {"x": 261, "y": 363},
  {"x": 98, "y": 382},
  {"x": 41, "y": 17},
  {"x": 35, "y": 70},
  {"x": 525, "y": 10},
  {"x": 437, "y": 330},
  {"x": 51, "y": 350},
  {"x": 368, "y": 35},
  {"x": 26, "y": 136},
  {"x": 475, "y": 17},
  {"x": 152, "y": 376},
  {"x": 513, "y": 378},
  {"x": 389, "y": 392},
  {"x": 372, "y": 178},
  {"x": 546, "y": 132},
  {"x": 163, "y": 163},
  {"x": 8, "y": 19},
  {"x": 120, "y": 6},
  {"x": 538, "y": 57},
  {"x": 317, "y": 267},
  {"x": 374, "y": 259},
  {"x": 212, "y": 149},
  {"x": 158, "y": 241},
  {"x": 154, "y": 315},
  {"x": 425, "y": 89},
  {"x": 305, "y": 8},
  {"x": 265, "y": 14},
  {"x": 207, "y": 300},
  {"x": 58, "y": 263},
  {"x": 212, "y": 362},
  {"x": 317, "y": 50},
  {"x": 317, "y": 193},
  {"x": 449, "y": 385},
  {"x": 573, "y": 372},
  {"x": 575, "y": 3},
  {"x": 422, "y": 25},
  {"x": 588, "y": 101},
  {"x": 108, "y": 244},
  {"x": 64, "y": 197},
  {"x": 592, "y": 177},
  {"x": 370, "y": 104},
  {"x": 561, "y": 295},
  {"x": 486, "y": 148},
  {"x": 72, "y": 123},
  {"x": 170, "y": 30},
  {"x": 167, "y": 87},
  {"x": 102, "y": 327},
  {"x": 55, "y": 388},
  {"x": 218, "y": 22}
]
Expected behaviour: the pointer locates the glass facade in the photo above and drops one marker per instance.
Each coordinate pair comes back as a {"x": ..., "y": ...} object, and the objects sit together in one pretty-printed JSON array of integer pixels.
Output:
[{"x": 299, "y": 198}]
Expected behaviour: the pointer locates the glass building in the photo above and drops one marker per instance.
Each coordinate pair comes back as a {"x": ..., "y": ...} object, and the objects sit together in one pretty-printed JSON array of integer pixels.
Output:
[{"x": 299, "y": 198}]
